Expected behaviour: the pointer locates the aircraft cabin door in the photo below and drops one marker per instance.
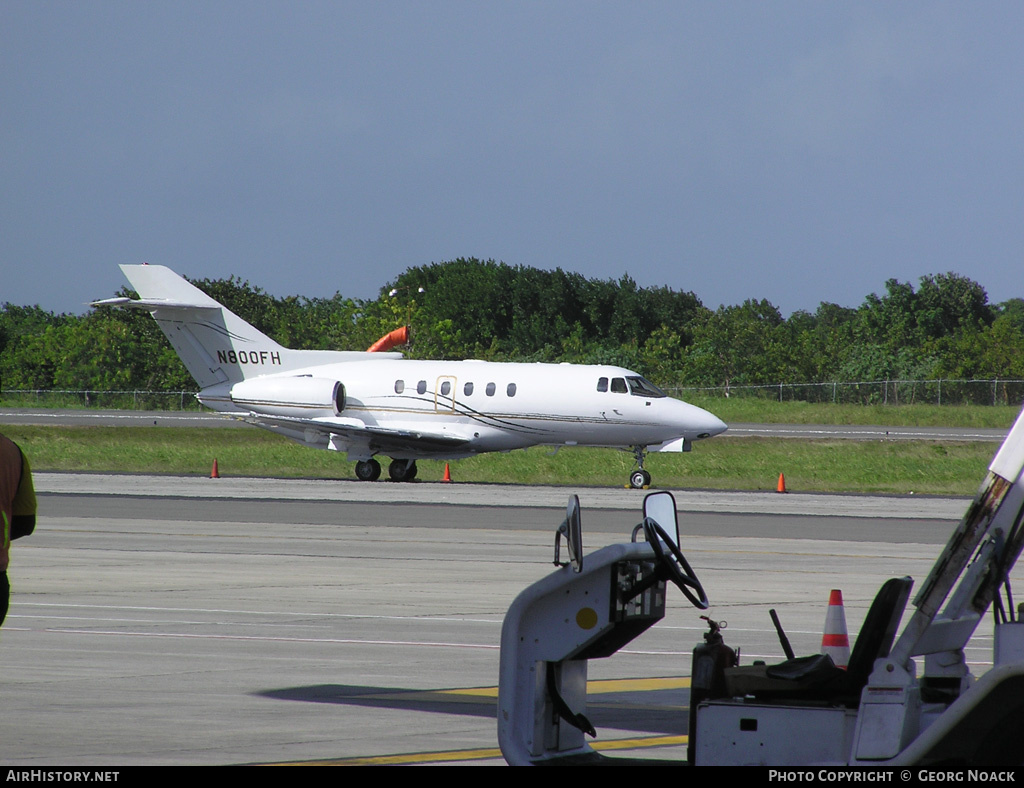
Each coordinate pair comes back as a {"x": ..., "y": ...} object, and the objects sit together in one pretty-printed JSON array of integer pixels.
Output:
[{"x": 444, "y": 395}]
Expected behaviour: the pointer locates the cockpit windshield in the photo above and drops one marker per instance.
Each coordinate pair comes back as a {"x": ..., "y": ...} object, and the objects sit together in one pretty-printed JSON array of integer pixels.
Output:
[{"x": 641, "y": 387}]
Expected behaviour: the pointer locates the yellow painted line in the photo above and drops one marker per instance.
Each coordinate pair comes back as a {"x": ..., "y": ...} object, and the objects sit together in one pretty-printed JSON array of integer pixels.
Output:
[
  {"x": 595, "y": 687},
  {"x": 410, "y": 758},
  {"x": 486, "y": 754},
  {"x": 475, "y": 692},
  {"x": 636, "y": 685},
  {"x": 636, "y": 744}
]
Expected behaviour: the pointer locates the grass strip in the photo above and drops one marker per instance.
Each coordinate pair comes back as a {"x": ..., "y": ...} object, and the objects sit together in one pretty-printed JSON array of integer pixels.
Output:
[{"x": 876, "y": 466}]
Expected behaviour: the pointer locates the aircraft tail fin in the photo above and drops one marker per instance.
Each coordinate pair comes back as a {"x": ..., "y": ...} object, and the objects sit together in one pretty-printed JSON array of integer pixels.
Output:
[{"x": 214, "y": 343}]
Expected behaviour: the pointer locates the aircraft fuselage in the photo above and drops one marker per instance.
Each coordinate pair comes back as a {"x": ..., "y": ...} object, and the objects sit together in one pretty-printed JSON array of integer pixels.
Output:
[{"x": 491, "y": 406}]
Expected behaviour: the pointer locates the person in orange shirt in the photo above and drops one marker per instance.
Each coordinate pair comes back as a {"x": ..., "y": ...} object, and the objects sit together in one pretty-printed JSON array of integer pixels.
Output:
[{"x": 17, "y": 509}]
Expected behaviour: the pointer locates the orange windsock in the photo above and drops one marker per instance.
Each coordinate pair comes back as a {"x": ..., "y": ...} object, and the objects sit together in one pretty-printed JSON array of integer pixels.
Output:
[{"x": 400, "y": 336}]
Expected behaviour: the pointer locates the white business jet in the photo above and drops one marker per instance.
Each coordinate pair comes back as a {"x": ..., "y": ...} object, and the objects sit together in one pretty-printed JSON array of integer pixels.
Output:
[{"x": 369, "y": 404}]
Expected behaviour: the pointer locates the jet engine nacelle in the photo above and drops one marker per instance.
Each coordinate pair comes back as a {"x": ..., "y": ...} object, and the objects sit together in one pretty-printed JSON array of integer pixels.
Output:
[{"x": 299, "y": 397}]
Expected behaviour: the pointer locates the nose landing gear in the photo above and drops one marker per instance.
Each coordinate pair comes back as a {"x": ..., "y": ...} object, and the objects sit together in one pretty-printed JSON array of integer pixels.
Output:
[{"x": 639, "y": 479}]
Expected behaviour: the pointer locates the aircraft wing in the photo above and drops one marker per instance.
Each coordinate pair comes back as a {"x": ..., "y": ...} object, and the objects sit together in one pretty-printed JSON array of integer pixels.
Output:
[{"x": 378, "y": 439}]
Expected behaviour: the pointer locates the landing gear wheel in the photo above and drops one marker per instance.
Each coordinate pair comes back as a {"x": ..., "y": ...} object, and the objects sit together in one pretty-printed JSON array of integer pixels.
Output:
[
  {"x": 678, "y": 569},
  {"x": 367, "y": 470},
  {"x": 639, "y": 479},
  {"x": 402, "y": 470}
]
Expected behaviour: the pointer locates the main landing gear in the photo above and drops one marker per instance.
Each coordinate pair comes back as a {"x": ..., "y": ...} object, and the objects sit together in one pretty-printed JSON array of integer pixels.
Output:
[
  {"x": 398, "y": 470},
  {"x": 368, "y": 470},
  {"x": 402, "y": 470},
  {"x": 639, "y": 479}
]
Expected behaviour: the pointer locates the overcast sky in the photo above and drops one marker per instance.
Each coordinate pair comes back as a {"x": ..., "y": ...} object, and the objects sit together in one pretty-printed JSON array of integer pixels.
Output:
[{"x": 799, "y": 152}]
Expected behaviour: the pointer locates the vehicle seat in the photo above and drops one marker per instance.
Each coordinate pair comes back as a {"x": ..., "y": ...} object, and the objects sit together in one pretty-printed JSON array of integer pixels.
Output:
[{"x": 816, "y": 677}]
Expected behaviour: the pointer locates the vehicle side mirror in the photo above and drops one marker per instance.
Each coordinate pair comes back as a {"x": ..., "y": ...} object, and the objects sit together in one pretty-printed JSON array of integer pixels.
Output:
[
  {"x": 661, "y": 507},
  {"x": 572, "y": 529}
]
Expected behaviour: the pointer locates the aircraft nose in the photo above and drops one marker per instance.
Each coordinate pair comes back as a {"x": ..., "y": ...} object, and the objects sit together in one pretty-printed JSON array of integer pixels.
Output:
[
  {"x": 710, "y": 424},
  {"x": 702, "y": 424}
]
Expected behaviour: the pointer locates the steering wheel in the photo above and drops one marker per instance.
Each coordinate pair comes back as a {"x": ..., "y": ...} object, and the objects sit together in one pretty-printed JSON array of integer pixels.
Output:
[{"x": 678, "y": 569}]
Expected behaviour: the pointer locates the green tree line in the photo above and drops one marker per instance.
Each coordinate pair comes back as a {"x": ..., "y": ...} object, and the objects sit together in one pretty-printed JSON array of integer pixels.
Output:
[{"x": 467, "y": 308}]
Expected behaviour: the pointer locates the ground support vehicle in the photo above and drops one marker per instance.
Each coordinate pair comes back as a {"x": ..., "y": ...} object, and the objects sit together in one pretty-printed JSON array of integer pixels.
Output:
[{"x": 907, "y": 697}]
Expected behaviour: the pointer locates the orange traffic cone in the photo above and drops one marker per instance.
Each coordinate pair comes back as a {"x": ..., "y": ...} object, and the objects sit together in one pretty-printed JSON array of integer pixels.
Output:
[
  {"x": 214, "y": 474},
  {"x": 835, "y": 641},
  {"x": 782, "y": 484},
  {"x": 447, "y": 474}
]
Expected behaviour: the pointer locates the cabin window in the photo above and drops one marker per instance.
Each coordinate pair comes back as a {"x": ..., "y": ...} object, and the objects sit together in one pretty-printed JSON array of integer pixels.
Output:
[
  {"x": 641, "y": 387},
  {"x": 421, "y": 387},
  {"x": 511, "y": 390},
  {"x": 467, "y": 390},
  {"x": 619, "y": 385},
  {"x": 399, "y": 386},
  {"x": 490, "y": 389},
  {"x": 446, "y": 388},
  {"x": 602, "y": 384}
]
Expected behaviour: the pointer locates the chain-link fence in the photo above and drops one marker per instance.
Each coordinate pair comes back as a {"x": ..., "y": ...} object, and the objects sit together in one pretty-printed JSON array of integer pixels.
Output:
[
  {"x": 878, "y": 392},
  {"x": 870, "y": 392},
  {"x": 112, "y": 400}
]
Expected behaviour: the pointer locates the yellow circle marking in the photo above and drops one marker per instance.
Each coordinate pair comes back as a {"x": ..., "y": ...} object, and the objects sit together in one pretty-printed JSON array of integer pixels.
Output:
[{"x": 586, "y": 618}]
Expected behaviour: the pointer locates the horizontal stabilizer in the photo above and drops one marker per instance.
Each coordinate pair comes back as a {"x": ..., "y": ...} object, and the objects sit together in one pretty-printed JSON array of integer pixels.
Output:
[{"x": 152, "y": 303}]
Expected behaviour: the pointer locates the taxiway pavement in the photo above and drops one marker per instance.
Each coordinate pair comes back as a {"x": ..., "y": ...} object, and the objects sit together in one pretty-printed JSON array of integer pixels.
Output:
[{"x": 167, "y": 620}]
